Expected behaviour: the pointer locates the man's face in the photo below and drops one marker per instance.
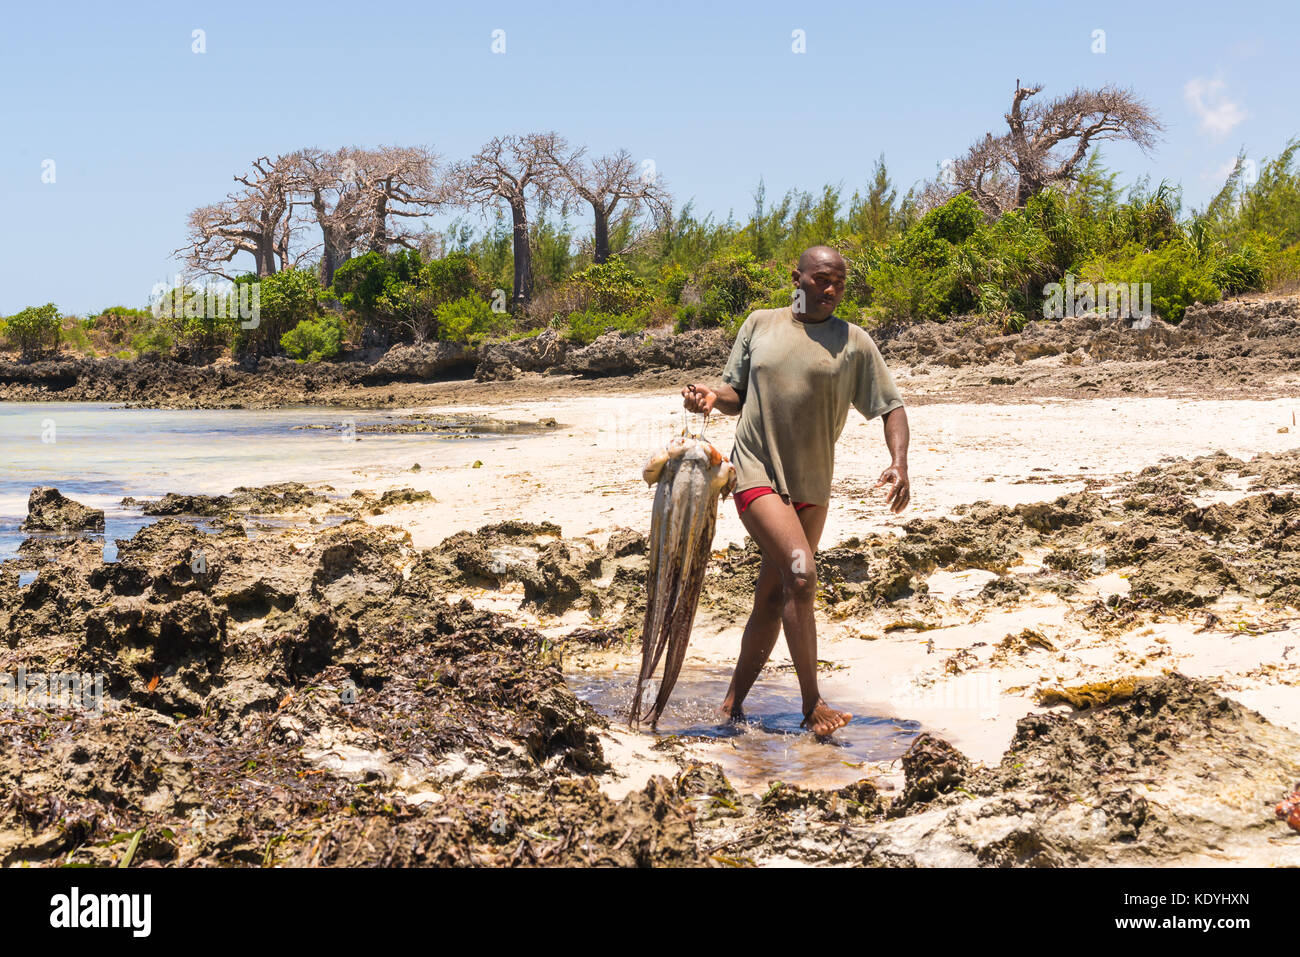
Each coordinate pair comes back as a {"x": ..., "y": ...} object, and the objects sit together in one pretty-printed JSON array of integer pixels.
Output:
[{"x": 821, "y": 285}]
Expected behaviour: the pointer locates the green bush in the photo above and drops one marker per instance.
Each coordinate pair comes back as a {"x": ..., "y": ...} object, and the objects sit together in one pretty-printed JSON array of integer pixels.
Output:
[
  {"x": 34, "y": 329},
  {"x": 611, "y": 286},
  {"x": 915, "y": 292},
  {"x": 73, "y": 333},
  {"x": 114, "y": 326},
  {"x": 1283, "y": 271},
  {"x": 955, "y": 220},
  {"x": 314, "y": 339},
  {"x": 155, "y": 337},
  {"x": 468, "y": 319},
  {"x": 730, "y": 286},
  {"x": 397, "y": 297},
  {"x": 672, "y": 280},
  {"x": 586, "y": 327},
  {"x": 1242, "y": 271},
  {"x": 454, "y": 276},
  {"x": 286, "y": 299},
  {"x": 197, "y": 317},
  {"x": 1177, "y": 277}
]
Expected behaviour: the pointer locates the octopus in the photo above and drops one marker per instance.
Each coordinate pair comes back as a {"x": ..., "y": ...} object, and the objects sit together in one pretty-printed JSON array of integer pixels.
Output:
[{"x": 691, "y": 474}]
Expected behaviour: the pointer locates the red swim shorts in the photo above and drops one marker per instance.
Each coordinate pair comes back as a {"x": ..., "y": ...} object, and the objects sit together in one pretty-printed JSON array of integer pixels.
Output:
[{"x": 744, "y": 498}]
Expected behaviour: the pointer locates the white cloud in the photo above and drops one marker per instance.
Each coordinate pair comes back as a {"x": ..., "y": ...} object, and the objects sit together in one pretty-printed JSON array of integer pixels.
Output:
[
  {"x": 1208, "y": 101},
  {"x": 1222, "y": 172}
]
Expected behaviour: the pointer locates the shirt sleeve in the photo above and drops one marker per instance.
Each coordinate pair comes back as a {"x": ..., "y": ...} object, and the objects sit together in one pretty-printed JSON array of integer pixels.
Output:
[
  {"x": 876, "y": 392},
  {"x": 736, "y": 373}
]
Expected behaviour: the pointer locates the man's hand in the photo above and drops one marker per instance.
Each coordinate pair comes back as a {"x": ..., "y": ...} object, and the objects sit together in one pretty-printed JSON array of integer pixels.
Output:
[
  {"x": 900, "y": 492},
  {"x": 699, "y": 398}
]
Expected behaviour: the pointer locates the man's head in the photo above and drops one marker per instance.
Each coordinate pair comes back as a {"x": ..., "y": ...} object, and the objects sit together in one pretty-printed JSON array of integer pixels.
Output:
[{"x": 819, "y": 281}]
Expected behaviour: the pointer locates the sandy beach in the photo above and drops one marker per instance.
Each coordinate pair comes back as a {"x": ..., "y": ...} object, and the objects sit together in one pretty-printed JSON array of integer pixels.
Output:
[{"x": 584, "y": 478}]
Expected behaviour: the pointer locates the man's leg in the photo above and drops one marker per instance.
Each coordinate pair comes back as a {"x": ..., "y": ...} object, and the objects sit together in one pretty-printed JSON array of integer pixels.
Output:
[
  {"x": 761, "y": 632},
  {"x": 764, "y": 625},
  {"x": 785, "y": 543}
]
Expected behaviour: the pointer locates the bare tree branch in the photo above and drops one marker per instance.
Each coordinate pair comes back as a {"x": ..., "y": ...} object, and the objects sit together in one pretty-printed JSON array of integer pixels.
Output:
[{"x": 1044, "y": 145}]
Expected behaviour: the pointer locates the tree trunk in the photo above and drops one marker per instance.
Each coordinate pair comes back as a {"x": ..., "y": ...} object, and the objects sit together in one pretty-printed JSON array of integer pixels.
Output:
[
  {"x": 1024, "y": 190},
  {"x": 602, "y": 233},
  {"x": 379, "y": 239},
  {"x": 265, "y": 257},
  {"x": 334, "y": 254},
  {"x": 523, "y": 258}
]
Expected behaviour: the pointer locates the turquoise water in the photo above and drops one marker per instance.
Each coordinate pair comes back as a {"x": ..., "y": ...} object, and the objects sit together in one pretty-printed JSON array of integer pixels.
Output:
[{"x": 98, "y": 454}]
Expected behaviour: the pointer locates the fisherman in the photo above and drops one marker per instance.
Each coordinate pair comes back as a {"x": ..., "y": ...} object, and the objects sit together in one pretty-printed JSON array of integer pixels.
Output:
[{"x": 791, "y": 377}]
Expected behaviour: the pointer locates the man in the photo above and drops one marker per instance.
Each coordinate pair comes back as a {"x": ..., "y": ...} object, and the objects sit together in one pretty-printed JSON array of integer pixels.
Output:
[{"x": 791, "y": 377}]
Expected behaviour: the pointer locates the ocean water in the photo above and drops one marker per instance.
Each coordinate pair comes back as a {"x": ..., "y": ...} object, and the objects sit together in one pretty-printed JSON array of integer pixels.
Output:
[{"x": 98, "y": 454}]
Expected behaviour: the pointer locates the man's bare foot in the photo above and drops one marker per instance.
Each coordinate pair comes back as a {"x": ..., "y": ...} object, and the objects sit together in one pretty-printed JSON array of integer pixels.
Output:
[
  {"x": 824, "y": 720},
  {"x": 731, "y": 712}
]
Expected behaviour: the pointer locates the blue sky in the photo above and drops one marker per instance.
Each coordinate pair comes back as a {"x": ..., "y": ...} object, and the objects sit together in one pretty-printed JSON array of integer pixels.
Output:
[{"x": 142, "y": 130}]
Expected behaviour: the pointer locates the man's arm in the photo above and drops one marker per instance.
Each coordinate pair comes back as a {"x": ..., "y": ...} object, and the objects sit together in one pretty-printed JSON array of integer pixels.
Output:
[
  {"x": 701, "y": 398},
  {"x": 897, "y": 436}
]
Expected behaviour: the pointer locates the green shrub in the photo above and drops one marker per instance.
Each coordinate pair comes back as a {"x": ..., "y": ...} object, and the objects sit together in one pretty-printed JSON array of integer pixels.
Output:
[
  {"x": 73, "y": 333},
  {"x": 915, "y": 292},
  {"x": 955, "y": 220},
  {"x": 1242, "y": 271},
  {"x": 155, "y": 337},
  {"x": 286, "y": 299},
  {"x": 586, "y": 327},
  {"x": 611, "y": 286},
  {"x": 113, "y": 327},
  {"x": 468, "y": 319},
  {"x": 730, "y": 286},
  {"x": 1283, "y": 271},
  {"x": 1177, "y": 277},
  {"x": 396, "y": 296},
  {"x": 314, "y": 339},
  {"x": 34, "y": 329},
  {"x": 860, "y": 256},
  {"x": 672, "y": 280},
  {"x": 454, "y": 276},
  {"x": 202, "y": 318}
]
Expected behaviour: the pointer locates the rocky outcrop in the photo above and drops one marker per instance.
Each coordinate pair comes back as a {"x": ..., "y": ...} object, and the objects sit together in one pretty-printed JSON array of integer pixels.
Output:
[
  {"x": 49, "y": 511},
  {"x": 420, "y": 362},
  {"x": 619, "y": 353},
  {"x": 544, "y": 352},
  {"x": 1235, "y": 328}
]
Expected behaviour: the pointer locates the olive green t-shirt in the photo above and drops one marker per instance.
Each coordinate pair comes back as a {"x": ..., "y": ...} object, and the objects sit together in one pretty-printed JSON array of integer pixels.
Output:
[{"x": 796, "y": 381}]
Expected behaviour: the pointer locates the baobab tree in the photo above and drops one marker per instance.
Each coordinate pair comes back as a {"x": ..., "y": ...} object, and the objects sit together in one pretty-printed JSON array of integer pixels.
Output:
[
  {"x": 606, "y": 182},
  {"x": 398, "y": 182},
  {"x": 257, "y": 219},
  {"x": 339, "y": 201},
  {"x": 514, "y": 170},
  {"x": 1044, "y": 145}
]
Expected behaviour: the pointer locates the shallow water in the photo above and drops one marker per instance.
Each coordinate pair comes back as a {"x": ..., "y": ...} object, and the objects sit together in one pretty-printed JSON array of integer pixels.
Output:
[
  {"x": 97, "y": 454},
  {"x": 768, "y": 745}
]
